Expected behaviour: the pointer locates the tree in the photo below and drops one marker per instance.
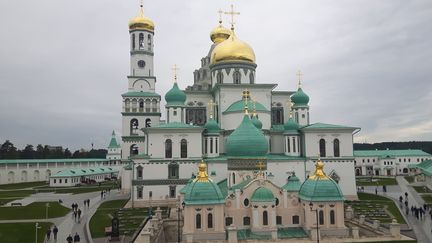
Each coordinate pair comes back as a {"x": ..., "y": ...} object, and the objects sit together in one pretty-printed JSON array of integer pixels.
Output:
[
  {"x": 28, "y": 152},
  {"x": 67, "y": 153},
  {"x": 8, "y": 151},
  {"x": 39, "y": 151}
]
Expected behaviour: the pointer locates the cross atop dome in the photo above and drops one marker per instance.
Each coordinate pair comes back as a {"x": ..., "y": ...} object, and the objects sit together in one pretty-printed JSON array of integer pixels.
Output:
[
  {"x": 175, "y": 69},
  {"x": 232, "y": 13},
  {"x": 300, "y": 77}
]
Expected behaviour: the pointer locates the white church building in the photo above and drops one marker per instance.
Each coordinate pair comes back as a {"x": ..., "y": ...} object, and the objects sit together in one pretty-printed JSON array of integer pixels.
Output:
[{"x": 211, "y": 120}]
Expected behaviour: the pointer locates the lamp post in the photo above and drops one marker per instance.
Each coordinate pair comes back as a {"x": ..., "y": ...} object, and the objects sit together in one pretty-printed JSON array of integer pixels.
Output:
[
  {"x": 37, "y": 227},
  {"x": 316, "y": 215},
  {"x": 46, "y": 211}
]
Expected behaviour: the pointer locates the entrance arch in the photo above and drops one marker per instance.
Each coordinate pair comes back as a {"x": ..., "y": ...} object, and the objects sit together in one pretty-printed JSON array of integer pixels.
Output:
[
  {"x": 36, "y": 175},
  {"x": 11, "y": 177},
  {"x": 24, "y": 176}
]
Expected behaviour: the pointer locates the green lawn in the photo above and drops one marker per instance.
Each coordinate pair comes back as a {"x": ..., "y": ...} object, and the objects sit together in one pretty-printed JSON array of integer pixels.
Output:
[
  {"x": 376, "y": 207},
  {"x": 22, "y": 232},
  {"x": 410, "y": 179},
  {"x": 22, "y": 185},
  {"x": 102, "y": 217},
  {"x": 15, "y": 193},
  {"x": 427, "y": 199},
  {"x": 422, "y": 189},
  {"x": 375, "y": 181},
  {"x": 34, "y": 210},
  {"x": 3, "y": 201}
]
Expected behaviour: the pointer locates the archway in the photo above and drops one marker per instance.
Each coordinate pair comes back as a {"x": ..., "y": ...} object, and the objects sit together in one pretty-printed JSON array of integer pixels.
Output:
[
  {"x": 36, "y": 175},
  {"x": 11, "y": 177},
  {"x": 24, "y": 176}
]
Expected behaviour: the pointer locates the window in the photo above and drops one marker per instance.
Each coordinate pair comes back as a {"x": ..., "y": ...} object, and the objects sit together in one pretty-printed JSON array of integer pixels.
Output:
[
  {"x": 168, "y": 148},
  {"x": 173, "y": 170},
  {"x": 265, "y": 218},
  {"x": 65, "y": 180},
  {"x": 321, "y": 217},
  {"x": 175, "y": 112},
  {"x": 139, "y": 172},
  {"x": 60, "y": 180},
  {"x": 183, "y": 148},
  {"x": 172, "y": 191},
  {"x": 133, "y": 41},
  {"x": 139, "y": 192},
  {"x": 294, "y": 145},
  {"x": 295, "y": 219},
  {"x": 210, "y": 221},
  {"x": 141, "y": 63},
  {"x": 216, "y": 145},
  {"x": 246, "y": 202},
  {"x": 233, "y": 178},
  {"x": 322, "y": 147},
  {"x": 219, "y": 77},
  {"x": 246, "y": 220},
  {"x": 228, "y": 221},
  {"x": 133, "y": 149},
  {"x": 134, "y": 127},
  {"x": 211, "y": 145},
  {"x": 150, "y": 194},
  {"x": 149, "y": 41},
  {"x": 278, "y": 220},
  {"x": 55, "y": 181},
  {"x": 198, "y": 221},
  {"x": 205, "y": 146},
  {"x": 289, "y": 145},
  {"x": 277, "y": 115},
  {"x": 237, "y": 77},
  {"x": 141, "y": 41},
  {"x": 336, "y": 148},
  {"x": 148, "y": 122},
  {"x": 196, "y": 115},
  {"x": 332, "y": 217}
]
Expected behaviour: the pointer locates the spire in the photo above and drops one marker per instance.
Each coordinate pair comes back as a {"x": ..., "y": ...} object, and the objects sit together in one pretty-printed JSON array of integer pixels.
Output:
[
  {"x": 291, "y": 104},
  {"x": 300, "y": 76},
  {"x": 175, "y": 69},
  {"x": 220, "y": 12},
  {"x": 246, "y": 96},
  {"x": 254, "y": 108},
  {"x": 202, "y": 173},
  {"x": 232, "y": 13},
  {"x": 141, "y": 13},
  {"x": 113, "y": 133},
  {"x": 211, "y": 104},
  {"x": 319, "y": 173}
]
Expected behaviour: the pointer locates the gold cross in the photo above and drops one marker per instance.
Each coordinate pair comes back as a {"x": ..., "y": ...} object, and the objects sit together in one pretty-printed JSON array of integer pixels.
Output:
[
  {"x": 290, "y": 104},
  {"x": 220, "y": 16},
  {"x": 211, "y": 104},
  {"x": 254, "y": 107},
  {"x": 175, "y": 69},
  {"x": 232, "y": 13},
  {"x": 246, "y": 97},
  {"x": 299, "y": 75},
  {"x": 260, "y": 165}
]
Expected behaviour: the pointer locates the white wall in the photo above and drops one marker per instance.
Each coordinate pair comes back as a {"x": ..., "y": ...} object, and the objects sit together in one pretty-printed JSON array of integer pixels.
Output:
[
  {"x": 157, "y": 139},
  {"x": 345, "y": 142}
]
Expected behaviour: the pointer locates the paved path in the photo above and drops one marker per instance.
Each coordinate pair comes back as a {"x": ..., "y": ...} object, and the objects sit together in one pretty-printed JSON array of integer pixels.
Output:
[{"x": 422, "y": 228}]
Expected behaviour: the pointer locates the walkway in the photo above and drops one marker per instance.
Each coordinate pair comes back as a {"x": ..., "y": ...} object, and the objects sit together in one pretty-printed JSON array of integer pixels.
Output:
[{"x": 422, "y": 228}]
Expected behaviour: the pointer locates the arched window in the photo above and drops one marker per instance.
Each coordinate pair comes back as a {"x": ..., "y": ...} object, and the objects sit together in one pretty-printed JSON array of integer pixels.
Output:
[
  {"x": 246, "y": 220},
  {"x": 133, "y": 150},
  {"x": 265, "y": 218},
  {"x": 147, "y": 105},
  {"x": 219, "y": 77},
  {"x": 133, "y": 41},
  {"x": 322, "y": 147},
  {"x": 198, "y": 221},
  {"x": 321, "y": 217},
  {"x": 251, "y": 78},
  {"x": 139, "y": 172},
  {"x": 295, "y": 219},
  {"x": 211, "y": 145},
  {"x": 168, "y": 148},
  {"x": 237, "y": 77},
  {"x": 140, "y": 192},
  {"x": 205, "y": 146},
  {"x": 148, "y": 122},
  {"x": 336, "y": 148},
  {"x": 134, "y": 126},
  {"x": 183, "y": 148},
  {"x": 154, "y": 105},
  {"x": 294, "y": 145},
  {"x": 141, "y": 41},
  {"x": 233, "y": 178},
  {"x": 332, "y": 217},
  {"x": 209, "y": 220},
  {"x": 173, "y": 170},
  {"x": 149, "y": 42},
  {"x": 278, "y": 220}
]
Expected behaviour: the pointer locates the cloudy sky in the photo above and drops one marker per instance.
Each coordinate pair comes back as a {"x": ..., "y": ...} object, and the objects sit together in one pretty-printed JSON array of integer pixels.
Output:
[{"x": 63, "y": 64}]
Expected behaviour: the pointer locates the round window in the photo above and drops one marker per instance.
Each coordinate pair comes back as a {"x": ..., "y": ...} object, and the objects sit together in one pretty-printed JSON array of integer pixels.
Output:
[
  {"x": 141, "y": 64},
  {"x": 277, "y": 201},
  {"x": 246, "y": 202}
]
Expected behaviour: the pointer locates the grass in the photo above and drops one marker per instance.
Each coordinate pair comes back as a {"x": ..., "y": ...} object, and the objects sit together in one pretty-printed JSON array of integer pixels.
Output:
[
  {"x": 422, "y": 189},
  {"x": 410, "y": 179},
  {"x": 376, "y": 207},
  {"x": 3, "y": 201},
  {"x": 22, "y": 232},
  {"x": 375, "y": 181},
  {"x": 22, "y": 185},
  {"x": 102, "y": 219},
  {"x": 427, "y": 199},
  {"x": 34, "y": 210},
  {"x": 15, "y": 193}
]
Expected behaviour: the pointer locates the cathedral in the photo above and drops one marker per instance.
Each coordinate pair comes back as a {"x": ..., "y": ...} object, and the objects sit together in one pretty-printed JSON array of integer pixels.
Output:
[{"x": 243, "y": 129}]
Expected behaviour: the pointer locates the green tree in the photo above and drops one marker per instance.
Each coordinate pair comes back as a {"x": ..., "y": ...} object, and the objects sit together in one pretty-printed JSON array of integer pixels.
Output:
[
  {"x": 28, "y": 152},
  {"x": 8, "y": 151},
  {"x": 39, "y": 151},
  {"x": 67, "y": 153}
]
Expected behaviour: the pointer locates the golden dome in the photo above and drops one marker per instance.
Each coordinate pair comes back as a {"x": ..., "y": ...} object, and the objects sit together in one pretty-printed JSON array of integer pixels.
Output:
[
  {"x": 141, "y": 22},
  {"x": 220, "y": 33},
  {"x": 232, "y": 49}
]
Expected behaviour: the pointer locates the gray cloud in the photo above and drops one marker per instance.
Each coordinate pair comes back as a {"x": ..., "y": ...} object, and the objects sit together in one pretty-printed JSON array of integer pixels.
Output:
[{"x": 63, "y": 64}]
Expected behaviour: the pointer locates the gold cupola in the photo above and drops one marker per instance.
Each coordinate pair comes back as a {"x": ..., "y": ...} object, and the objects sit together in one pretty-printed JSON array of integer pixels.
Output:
[
  {"x": 141, "y": 22},
  {"x": 220, "y": 33}
]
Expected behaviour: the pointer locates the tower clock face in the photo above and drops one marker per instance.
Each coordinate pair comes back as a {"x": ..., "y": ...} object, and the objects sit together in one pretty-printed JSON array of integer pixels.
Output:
[{"x": 141, "y": 63}]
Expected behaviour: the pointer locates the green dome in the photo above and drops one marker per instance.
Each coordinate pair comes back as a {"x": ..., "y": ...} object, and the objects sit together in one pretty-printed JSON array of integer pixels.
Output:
[
  {"x": 320, "y": 188},
  {"x": 262, "y": 194},
  {"x": 246, "y": 140},
  {"x": 291, "y": 125},
  {"x": 212, "y": 126},
  {"x": 175, "y": 96},
  {"x": 185, "y": 188},
  {"x": 257, "y": 123},
  {"x": 203, "y": 193},
  {"x": 238, "y": 106},
  {"x": 300, "y": 98},
  {"x": 293, "y": 184}
]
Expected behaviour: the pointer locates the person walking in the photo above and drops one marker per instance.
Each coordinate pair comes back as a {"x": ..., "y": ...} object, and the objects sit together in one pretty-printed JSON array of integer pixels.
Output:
[
  {"x": 102, "y": 194},
  {"x": 79, "y": 215},
  {"x": 48, "y": 234},
  {"x": 75, "y": 215},
  {"x": 55, "y": 231},
  {"x": 376, "y": 190},
  {"x": 76, "y": 237},
  {"x": 406, "y": 195},
  {"x": 69, "y": 239}
]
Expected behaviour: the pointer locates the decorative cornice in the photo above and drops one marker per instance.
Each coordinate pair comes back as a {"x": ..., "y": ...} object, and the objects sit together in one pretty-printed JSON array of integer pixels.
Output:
[
  {"x": 154, "y": 182},
  {"x": 141, "y": 114}
]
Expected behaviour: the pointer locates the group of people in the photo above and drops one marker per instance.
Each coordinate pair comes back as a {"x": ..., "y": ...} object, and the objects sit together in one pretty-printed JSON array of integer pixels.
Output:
[
  {"x": 76, "y": 212},
  {"x": 417, "y": 211},
  {"x": 74, "y": 239},
  {"x": 54, "y": 231},
  {"x": 105, "y": 192}
]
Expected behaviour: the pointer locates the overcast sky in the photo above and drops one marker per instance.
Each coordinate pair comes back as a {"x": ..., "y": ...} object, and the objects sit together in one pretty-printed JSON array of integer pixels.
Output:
[{"x": 63, "y": 64}]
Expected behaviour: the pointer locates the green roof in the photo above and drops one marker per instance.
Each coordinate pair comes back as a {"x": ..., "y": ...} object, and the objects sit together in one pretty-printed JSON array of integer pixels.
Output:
[
  {"x": 320, "y": 190},
  {"x": 277, "y": 128},
  {"x": 390, "y": 153},
  {"x": 291, "y": 125},
  {"x": 425, "y": 167},
  {"x": 262, "y": 194},
  {"x": 257, "y": 123},
  {"x": 203, "y": 193},
  {"x": 238, "y": 106},
  {"x": 293, "y": 184},
  {"x": 291, "y": 232},
  {"x": 268, "y": 157},
  {"x": 175, "y": 96},
  {"x": 223, "y": 186},
  {"x": 174, "y": 125},
  {"x": 247, "y": 234},
  {"x": 300, "y": 98},
  {"x": 32, "y": 161},
  {"x": 140, "y": 94},
  {"x": 185, "y": 188},
  {"x": 212, "y": 127},
  {"x": 84, "y": 172},
  {"x": 242, "y": 184},
  {"x": 326, "y": 126},
  {"x": 113, "y": 143},
  {"x": 246, "y": 140}
]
